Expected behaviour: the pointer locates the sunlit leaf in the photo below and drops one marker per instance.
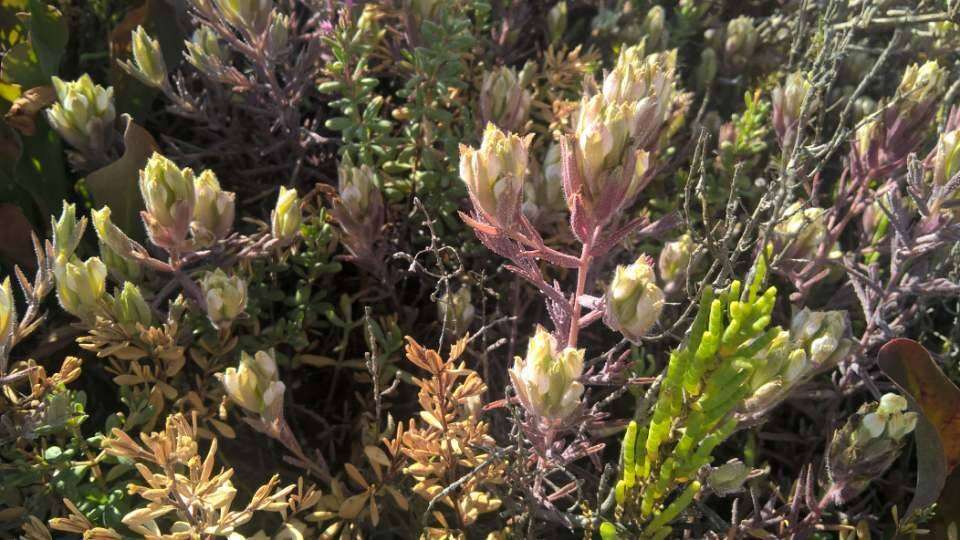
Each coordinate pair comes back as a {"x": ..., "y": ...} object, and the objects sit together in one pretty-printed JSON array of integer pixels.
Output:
[{"x": 116, "y": 184}]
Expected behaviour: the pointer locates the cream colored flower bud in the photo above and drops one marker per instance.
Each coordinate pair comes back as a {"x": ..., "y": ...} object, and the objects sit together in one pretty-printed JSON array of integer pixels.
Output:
[
  {"x": 253, "y": 384},
  {"x": 82, "y": 112},
  {"x": 788, "y": 101},
  {"x": 707, "y": 69},
  {"x": 646, "y": 85},
  {"x": 797, "y": 366},
  {"x": 503, "y": 100},
  {"x": 888, "y": 414},
  {"x": 602, "y": 133},
  {"x": 214, "y": 211},
  {"x": 8, "y": 313},
  {"x": 546, "y": 380},
  {"x": 866, "y": 135},
  {"x": 823, "y": 334},
  {"x": 901, "y": 425},
  {"x": 626, "y": 82},
  {"x": 793, "y": 93},
  {"x": 946, "y": 162},
  {"x": 148, "y": 64},
  {"x": 765, "y": 396},
  {"x": 741, "y": 42},
  {"x": 802, "y": 231},
  {"x": 204, "y": 51},
  {"x": 494, "y": 173},
  {"x": 130, "y": 308},
  {"x": 226, "y": 297},
  {"x": 169, "y": 198},
  {"x": 675, "y": 258},
  {"x": 824, "y": 346},
  {"x": 921, "y": 84},
  {"x": 279, "y": 32},
  {"x": 456, "y": 310},
  {"x": 634, "y": 301},
  {"x": 356, "y": 185},
  {"x": 286, "y": 217},
  {"x": 249, "y": 14},
  {"x": 67, "y": 232},
  {"x": 81, "y": 286},
  {"x": 115, "y": 246},
  {"x": 772, "y": 361},
  {"x": 655, "y": 28}
]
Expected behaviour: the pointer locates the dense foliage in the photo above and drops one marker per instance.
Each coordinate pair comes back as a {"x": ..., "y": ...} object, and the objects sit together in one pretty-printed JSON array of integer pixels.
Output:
[{"x": 479, "y": 269}]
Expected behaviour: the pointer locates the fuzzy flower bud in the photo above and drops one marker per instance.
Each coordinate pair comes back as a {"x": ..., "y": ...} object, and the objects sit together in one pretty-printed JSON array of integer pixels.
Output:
[
  {"x": 946, "y": 162},
  {"x": 674, "y": 260},
  {"x": 204, "y": 51},
  {"x": 226, "y": 297},
  {"x": 889, "y": 417},
  {"x": 921, "y": 85},
  {"x": 647, "y": 85},
  {"x": 787, "y": 102},
  {"x": 249, "y": 14},
  {"x": 286, "y": 217},
  {"x": 148, "y": 64},
  {"x": 8, "y": 314},
  {"x": 359, "y": 210},
  {"x": 494, "y": 174},
  {"x": 707, "y": 69},
  {"x": 740, "y": 43},
  {"x": 772, "y": 361},
  {"x": 67, "y": 232},
  {"x": 456, "y": 310},
  {"x": 503, "y": 100},
  {"x": 816, "y": 341},
  {"x": 81, "y": 286},
  {"x": 115, "y": 246},
  {"x": 628, "y": 114},
  {"x": 279, "y": 32},
  {"x": 546, "y": 380},
  {"x": 602, "y": 133},
  {"x": 129, "y": 307},
  {"x": 868, "y": 443},
  {"x": 357, "y": 188},
  {"x": 822, "y": 334},
  {"x": 82, "y": 114},
  {"x": 254, "y": 386},
  {"x": 655, "y": 29},
  {"x": 213, "y": 213},
  {"x": 169, "y": 198},
  {"x": 802, "y": 231},
  {"x": 634, "y": 301}
]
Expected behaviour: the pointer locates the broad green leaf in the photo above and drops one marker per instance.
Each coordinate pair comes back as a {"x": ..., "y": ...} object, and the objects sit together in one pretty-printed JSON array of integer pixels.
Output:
[
  {"x": 41, "y": 170},
  {"x": 21, "y": 66},
  {"x": 116, "y": 184},
  {"x": 16, "y": 246},
  {"x": 48, "y": 34}
]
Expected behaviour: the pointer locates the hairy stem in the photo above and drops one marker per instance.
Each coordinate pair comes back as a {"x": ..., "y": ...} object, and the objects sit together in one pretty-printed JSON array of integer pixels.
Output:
[{"x": 583, "y": 268}]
